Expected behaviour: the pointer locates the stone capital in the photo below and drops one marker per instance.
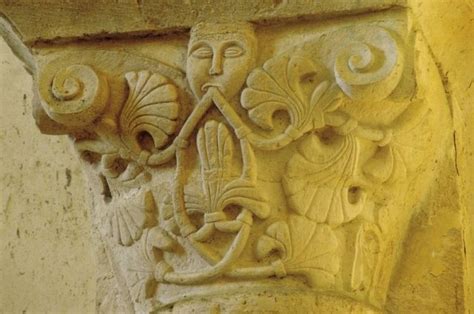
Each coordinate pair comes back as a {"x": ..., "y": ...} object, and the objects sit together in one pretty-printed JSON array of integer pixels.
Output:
[{"x": 242, "y": 156}]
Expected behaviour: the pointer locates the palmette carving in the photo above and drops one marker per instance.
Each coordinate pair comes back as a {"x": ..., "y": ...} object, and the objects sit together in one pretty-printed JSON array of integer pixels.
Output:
[
  {"x": 187, "y": 183},
  {"x": 220, "y": 190},
  {"x": 129, "y": 216},
  {"x": 312, "y": 255},
  {"x": 145, "y": 122},
  {"x": 320, "y": 180},
  {"x": 151, "y": 110},
  {"x": 290, "y": 84}
]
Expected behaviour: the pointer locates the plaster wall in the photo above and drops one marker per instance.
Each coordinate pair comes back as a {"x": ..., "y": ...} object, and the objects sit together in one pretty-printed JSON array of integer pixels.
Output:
[
  {"x": 448, "y": 27},
  {"x": 46, "y": 260}
]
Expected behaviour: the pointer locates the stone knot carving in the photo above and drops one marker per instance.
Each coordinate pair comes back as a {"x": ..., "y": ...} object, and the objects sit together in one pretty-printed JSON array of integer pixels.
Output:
[{"x": 185, "y": 167}]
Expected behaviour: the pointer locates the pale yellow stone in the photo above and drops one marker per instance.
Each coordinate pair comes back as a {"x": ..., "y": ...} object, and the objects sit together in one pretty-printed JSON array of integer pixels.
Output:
[
  {"x": 206, "y": 197},
  {"x": 47, "y": 261}
]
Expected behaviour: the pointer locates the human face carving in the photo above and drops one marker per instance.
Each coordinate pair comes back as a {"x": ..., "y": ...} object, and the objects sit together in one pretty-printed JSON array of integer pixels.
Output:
[{"x": 220, "y": 60}]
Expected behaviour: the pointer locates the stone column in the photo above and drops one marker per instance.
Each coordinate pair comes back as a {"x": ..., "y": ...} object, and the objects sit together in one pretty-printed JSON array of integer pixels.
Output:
[{"x": 244, "y": 157}]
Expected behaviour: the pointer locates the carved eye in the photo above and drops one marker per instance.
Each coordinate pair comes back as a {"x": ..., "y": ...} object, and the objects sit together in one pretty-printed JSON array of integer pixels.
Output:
[
  {"x": 203, "y": 52},
  {"x": 233, "y": 51}
]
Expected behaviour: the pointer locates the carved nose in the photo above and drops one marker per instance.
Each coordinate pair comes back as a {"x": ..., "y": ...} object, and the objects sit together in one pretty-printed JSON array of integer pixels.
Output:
[{"x": 216, "y": 68}]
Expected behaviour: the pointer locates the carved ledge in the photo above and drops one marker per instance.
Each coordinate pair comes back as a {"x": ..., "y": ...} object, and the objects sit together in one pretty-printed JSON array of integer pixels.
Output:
[{"x": 249, "y": 159}]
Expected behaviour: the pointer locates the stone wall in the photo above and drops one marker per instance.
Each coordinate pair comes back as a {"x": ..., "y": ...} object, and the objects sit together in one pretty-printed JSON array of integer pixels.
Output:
[
  {"x": 448, "y": 27},
  {"x": 47, "y": 263}
]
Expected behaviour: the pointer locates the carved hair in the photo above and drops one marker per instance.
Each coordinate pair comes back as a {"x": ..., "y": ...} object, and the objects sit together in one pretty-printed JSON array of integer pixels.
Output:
[{"x": 209, "y": 29}]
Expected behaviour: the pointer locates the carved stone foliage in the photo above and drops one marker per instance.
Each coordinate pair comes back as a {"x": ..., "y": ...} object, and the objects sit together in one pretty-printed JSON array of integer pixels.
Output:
[
  {"x": 313, "y": 256},
  {"x": 183, "y": 159},
  {"x": 320, "y": 180}
]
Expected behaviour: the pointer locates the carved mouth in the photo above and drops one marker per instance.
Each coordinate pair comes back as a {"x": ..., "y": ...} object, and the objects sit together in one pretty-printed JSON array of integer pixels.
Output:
[{"x": 207, "y": 85}]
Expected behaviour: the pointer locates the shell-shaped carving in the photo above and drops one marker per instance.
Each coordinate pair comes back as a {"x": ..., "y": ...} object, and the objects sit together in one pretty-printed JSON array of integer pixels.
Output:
[
  {"x": 370, "y": 65},
  {"x": 319, "y": 181},
  {"x": 149, "y": 115},
  {"x": 73, "y": 96},
  {"x": 290, "y": 84},
  {"x": 129, "y": 217},
  {"x": 220, "y": 188}
]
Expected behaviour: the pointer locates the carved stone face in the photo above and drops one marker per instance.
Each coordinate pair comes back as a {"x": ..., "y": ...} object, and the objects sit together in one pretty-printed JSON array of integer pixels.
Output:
[{"x": 222, "y": 59}]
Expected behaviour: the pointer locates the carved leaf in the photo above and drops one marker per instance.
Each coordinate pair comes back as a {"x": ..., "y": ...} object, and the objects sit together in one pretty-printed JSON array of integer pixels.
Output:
[
  {"x": 129, "y": 217},
  {"x": 319, "y": 180},
  {"x": 245, "y": 194},
  {"x": 289, "y": 84},
  {"x": 147, "y": 261},
  {"x": 145, "y": 282},
  {"x": 404, "y": 153},
  {"x": 215, "y": 147},
  {"x": 141, "y": 274},
  {"x": 221, "y": 189},
  {"x": 160, "y": 238},
  {"x": 305, "y": 247},
  {"x": 381, "y": 166},
  {"x": 151, "y": 110},
  {"x": 367, "y": 255},
  {"x": 276, "y": 239},
  {"x": 166, "y": 215}
]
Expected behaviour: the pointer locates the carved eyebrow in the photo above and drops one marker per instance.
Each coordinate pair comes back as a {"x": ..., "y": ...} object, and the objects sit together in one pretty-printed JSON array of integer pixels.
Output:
[
  {"x": 198, "y": 45},
  {"x": 229, "y": 43}
]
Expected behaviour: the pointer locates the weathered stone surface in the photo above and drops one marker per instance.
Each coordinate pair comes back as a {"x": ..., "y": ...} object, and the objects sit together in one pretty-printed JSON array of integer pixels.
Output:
[
  {"x": 47, "y": 261},
  {"x": 64, "y": 20},
  {"x": 257, "y": 163}
]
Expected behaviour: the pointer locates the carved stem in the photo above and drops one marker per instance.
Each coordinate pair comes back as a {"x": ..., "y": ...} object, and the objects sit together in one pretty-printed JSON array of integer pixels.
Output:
[
  {"x": 182, "y": 219},
  {"x": 273, "y": 143},
  {"x": 340, "y": 120},
  {"x": 252, "y": 272},
  {"x": 244, "y": 131},
  {"x": 94, "y": 146},
  {"x": 162, "y": 156},
  {"x": 249, "y": 169},
  {"x": 234, "y": 251},
  {"x": 238, "y": 273},
  {"x": 188, "y": 127}
]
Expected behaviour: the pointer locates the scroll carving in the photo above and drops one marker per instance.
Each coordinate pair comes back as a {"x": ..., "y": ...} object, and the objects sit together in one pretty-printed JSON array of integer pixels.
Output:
[
  {"x": 369, "y": 65},
  {"x": 75, "y": 95},
  {"x": 184, "y": 161}
]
